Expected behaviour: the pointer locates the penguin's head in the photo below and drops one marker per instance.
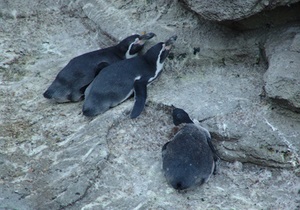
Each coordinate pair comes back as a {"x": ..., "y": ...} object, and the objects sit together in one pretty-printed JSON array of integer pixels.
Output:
[
  {"x": 159, "y": 52},
  {"x": 180, "y": 116},
  {"x": 166, "y": 48},
  {"x": 58, "y": 91},
  {"x": 131, "y": 45}
]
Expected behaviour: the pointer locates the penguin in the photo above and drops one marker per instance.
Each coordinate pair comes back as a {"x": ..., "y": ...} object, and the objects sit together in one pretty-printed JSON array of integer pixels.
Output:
[
  {"x": 72, "y": 80},
  {"x": 189, "y": 158},
  {"x": 115, "y": 83}
]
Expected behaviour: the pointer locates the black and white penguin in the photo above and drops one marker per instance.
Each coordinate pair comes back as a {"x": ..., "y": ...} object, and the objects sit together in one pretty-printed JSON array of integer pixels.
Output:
[
  {"x": 115, "y": 83},
  {"x": 72, "y": 80},
  {"x": 190, "y": 157}
]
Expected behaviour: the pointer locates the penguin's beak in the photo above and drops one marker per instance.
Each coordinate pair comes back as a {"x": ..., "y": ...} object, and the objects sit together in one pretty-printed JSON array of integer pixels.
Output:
[
  {"x": 147, "y": 36},
  {"x": 170, "y": 42}
]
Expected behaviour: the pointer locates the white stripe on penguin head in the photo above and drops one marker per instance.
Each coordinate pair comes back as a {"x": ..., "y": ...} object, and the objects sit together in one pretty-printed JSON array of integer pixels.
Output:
[
  {"x": 159, "y": 65},
  {"x": 127, "y": 55}
]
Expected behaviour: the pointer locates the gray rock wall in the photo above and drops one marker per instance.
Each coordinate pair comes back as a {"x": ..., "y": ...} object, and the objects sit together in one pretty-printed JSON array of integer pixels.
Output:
[
  {"x": 283, "y": 75},
  {"x": 242, "y": 86},
  {"x": 232, "y": 10}
]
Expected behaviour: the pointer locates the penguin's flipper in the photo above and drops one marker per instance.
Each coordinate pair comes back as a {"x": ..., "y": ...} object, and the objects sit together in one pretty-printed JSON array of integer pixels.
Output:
[
  {"x": 97, "y": 70},
  {"x": 99, "y": 67},
  {"x": 164, "y": 149},
  {"x": 165, "y": 146},
  {"x": 140, "y": 96},
  {"x": 215, "y": 154}
]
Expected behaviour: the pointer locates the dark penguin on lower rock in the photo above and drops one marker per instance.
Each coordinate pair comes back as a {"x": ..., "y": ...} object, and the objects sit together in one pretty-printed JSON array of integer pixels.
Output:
[
  {"x": 190, "y": 157},
  {"x": 72, "y": 80},
  {"x": 115, "y": 83}
]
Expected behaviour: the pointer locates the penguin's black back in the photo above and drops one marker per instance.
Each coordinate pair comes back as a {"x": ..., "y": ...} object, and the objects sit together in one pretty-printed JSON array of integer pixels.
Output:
[
  {"x": 86, "y": 64},
  {"x": 152, "y": 54},
  {"x": 115, "y": 82},
  {"x": 144, "y": 66},
  {"x": 125, "y": 71},
  {"x": 187, "y": 158}
]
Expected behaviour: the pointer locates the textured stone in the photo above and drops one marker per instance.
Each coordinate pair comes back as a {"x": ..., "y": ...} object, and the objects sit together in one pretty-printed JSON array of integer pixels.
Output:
[
  {"x": 283, "y": 75},
  {"x": 232, "y": 10}
]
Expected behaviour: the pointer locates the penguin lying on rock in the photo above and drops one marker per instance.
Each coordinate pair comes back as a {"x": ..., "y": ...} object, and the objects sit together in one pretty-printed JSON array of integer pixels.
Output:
[
  {"x": 115, "y": 83},
  {"x": 72, "y": 80},
  {"x": 190, "y": 157}
]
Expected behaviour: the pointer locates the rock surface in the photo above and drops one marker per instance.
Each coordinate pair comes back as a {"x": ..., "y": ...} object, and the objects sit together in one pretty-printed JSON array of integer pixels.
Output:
[
  {"x": 51, "y": 157},
  {"x": 232, "y": 10},
  {"x": 283, "y": 76}
]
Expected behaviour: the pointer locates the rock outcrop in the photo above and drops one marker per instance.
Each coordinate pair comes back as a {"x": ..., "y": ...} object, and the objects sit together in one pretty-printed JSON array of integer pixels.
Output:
[
  {"x": 232, "y": 10},
  {"x": 246, "y": 15},
  {"x": 283, "y": 75}
]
